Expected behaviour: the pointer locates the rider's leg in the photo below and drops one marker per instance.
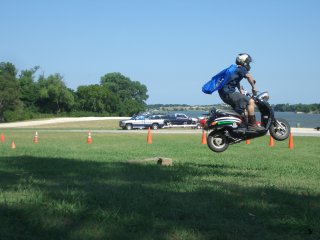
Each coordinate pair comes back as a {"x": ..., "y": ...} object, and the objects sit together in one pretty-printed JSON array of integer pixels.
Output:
[
  {"x": 252, "y": 118},
  {"x": 245, "y": 118},
  {"x": 239, "y": 103},
  {"x": 251, "y": 107}
]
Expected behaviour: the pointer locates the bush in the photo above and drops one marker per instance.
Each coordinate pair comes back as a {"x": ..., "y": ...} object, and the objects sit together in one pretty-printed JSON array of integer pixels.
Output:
[{"x": 17, "y": 115}]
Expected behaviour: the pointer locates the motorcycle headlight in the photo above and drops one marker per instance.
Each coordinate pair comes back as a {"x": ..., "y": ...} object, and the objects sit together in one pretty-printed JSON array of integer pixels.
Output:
[{"x": 264, "y": 96}]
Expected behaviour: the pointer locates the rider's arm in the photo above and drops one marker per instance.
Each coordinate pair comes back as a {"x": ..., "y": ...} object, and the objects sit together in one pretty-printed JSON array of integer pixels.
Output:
[{"x": 251, "y": 81}]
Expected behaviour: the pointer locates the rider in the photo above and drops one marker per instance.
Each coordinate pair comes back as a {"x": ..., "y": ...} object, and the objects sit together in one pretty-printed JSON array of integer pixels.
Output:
[{"x": 238, "y": 101}]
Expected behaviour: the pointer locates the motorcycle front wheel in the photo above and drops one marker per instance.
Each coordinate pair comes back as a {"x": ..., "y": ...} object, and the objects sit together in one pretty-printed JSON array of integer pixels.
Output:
[
  {"x": 217, "y": 142},
  {"x": 280, "y": 129}
]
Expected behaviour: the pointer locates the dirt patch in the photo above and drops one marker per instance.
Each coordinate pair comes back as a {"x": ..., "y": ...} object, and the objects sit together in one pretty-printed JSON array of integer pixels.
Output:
[{"x": 156, "y": 160}]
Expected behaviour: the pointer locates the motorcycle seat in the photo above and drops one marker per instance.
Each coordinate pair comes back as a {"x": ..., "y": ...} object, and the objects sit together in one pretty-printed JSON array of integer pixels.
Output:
[{"x": 229, "y": 112}]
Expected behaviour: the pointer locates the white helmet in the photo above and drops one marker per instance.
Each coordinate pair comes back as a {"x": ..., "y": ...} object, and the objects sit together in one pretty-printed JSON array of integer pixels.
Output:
[{"x": 244, "y": 59}]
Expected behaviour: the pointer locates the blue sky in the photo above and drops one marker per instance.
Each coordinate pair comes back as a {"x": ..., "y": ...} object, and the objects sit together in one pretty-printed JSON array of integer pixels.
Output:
[{"x": 171, "y": 46}]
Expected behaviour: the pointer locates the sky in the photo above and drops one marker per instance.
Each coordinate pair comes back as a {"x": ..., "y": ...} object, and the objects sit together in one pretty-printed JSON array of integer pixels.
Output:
[{"x": 171, "y": 46}]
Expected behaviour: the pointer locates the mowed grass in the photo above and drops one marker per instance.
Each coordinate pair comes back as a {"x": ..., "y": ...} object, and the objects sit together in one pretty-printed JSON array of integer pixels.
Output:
[{"x": 64, "y": 188}]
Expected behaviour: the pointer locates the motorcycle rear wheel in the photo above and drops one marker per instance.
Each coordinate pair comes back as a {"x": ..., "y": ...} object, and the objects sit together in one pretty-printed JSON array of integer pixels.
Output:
[
  {"x": 280, "y": 129},
  {"x": 217, "y": 142}
]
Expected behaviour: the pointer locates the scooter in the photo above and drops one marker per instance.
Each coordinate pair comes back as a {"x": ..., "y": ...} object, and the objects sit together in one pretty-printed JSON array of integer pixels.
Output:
[{"x": 225, "y": 127}]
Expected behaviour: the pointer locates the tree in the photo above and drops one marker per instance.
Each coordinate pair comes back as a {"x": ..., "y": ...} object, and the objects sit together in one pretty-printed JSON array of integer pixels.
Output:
[
  {"x": 8, "y": 68},
  {"x": 54, "y": 97},
  {"x": 96, "y": 98},
  {"x": 28, "y": 87},
  {"x": 9, "y": 89},
  {"x": 130, "y": 107},
  {"x": 130, "y": 93}
]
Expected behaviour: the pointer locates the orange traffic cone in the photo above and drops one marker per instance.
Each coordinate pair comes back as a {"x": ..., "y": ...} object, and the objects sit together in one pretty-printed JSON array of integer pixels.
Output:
[
  {"x": 89, "y": 139},
  {"x": 35, "y": 139},
  {"x": 248, "y": 141},
  {"x": 149, "y": 137},
  {"x": 2, "y": 137},
  {"x": 13, "y": 145},
  {"x": 271, "y": 142},
  {"x": 204, "y": 138},
  {"x": 291, "y": 145}
]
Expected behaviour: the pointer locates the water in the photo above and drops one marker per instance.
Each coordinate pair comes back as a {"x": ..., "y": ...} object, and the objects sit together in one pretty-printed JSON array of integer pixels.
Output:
[{"x": 302, "y": 120}]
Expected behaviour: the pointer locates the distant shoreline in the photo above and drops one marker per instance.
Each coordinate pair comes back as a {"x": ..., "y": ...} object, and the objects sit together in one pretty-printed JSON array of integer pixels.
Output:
[{"x": 294, "y": 108}]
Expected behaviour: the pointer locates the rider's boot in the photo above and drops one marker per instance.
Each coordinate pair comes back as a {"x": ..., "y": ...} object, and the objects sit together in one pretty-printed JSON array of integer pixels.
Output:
[
  {"x": 252, "y": 125},
  {"x": 244, "y": 122}
]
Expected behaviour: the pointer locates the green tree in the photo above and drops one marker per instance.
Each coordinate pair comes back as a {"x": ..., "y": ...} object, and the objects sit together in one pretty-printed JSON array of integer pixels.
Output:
[
  {"x": 97, "y": 98},
  {"x": 9, "y": 89},
  {"x": 29, "y": 87},
  {"x": 54, "y": 96},
  {"x": 8, "y": 69},
  {"x": 132, "y": 94},
  {"x": 130, "y": 107}
]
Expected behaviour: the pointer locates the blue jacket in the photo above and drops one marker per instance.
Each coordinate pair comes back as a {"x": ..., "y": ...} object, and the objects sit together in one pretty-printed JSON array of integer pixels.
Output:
[
  {"x": 219, "y": 80},
  {"x": 234, "y": 80}
]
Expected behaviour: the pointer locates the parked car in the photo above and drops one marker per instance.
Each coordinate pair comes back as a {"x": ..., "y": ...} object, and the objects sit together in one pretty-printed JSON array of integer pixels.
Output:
[
  {"x": 159, "y": 116},
  {"x": 141, "y": 121},
  {"x": 179, "y": 119}
]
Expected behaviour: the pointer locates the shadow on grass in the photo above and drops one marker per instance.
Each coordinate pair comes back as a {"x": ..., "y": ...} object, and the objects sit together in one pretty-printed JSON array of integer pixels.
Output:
[{"x": 47, "y": 198}]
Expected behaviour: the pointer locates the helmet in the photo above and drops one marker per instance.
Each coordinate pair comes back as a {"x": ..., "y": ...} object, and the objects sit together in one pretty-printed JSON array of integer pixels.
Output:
[{"x": 244, "y": 59}]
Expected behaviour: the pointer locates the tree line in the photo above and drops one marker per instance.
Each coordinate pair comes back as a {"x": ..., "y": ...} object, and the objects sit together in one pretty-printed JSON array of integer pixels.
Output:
[
  {"x": 305, "y": 108},
  {"x": 23, "y": 95}
]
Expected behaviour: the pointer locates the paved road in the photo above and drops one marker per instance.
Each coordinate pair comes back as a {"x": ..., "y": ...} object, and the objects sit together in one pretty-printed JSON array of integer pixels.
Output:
[
  {"x": 295, "y": 131},
  {"x": 305, "y": 132}
]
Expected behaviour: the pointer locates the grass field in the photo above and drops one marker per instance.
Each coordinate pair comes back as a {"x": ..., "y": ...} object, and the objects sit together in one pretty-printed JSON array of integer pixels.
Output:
[{"x": 64, "y": 188}]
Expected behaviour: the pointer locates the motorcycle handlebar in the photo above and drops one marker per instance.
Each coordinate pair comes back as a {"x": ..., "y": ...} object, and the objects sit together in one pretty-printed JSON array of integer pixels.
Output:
[
  {"x": 251, "y": 95},
  {"x": 245, "y": 92}
]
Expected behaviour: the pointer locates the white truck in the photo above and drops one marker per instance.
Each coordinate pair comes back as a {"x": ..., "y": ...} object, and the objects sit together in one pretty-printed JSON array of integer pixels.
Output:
[{"x": 140, "y": 122}]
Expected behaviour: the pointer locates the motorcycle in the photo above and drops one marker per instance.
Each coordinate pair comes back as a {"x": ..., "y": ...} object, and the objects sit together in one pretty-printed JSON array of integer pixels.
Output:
[{"x": 225, "y": 127}]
